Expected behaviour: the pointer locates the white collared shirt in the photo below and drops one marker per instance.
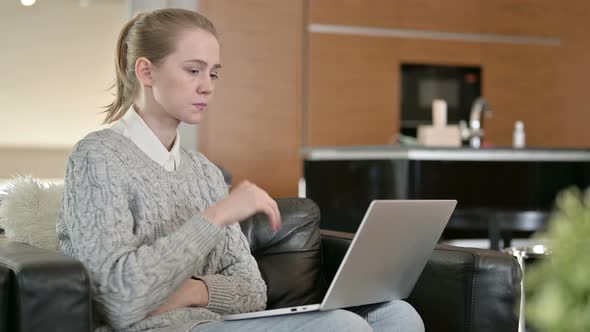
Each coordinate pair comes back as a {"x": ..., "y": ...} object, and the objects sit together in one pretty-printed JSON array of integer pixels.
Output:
[{"x": 131, "y": 125}]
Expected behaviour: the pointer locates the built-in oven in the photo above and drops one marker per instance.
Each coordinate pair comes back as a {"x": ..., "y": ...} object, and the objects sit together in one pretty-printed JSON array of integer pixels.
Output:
[{"x": 422, "y": 83}]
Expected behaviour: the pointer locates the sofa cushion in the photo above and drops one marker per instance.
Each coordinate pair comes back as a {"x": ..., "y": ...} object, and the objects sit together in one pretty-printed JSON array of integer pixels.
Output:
[{"x": 289, "y": 260}]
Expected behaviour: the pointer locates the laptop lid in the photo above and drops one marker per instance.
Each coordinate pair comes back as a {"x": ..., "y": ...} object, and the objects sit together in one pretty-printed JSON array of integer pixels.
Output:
[{"x": 388, "y": 252}]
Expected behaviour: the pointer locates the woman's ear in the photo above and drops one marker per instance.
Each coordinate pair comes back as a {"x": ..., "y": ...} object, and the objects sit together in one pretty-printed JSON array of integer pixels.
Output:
[{"x": 143, "y": 71}]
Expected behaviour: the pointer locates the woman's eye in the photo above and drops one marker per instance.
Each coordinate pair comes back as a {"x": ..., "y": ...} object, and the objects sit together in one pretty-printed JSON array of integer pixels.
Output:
[
  {"x": 193, "y": 71},
  {"x": 214, "y": 76}
]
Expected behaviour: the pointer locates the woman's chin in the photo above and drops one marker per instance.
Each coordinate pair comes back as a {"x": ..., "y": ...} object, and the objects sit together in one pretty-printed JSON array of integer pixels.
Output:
[{"x": 194, "y": 119}]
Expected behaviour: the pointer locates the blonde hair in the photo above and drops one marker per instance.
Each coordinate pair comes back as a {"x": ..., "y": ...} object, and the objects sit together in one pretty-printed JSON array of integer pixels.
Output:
[{"x": 150, "y": 35}]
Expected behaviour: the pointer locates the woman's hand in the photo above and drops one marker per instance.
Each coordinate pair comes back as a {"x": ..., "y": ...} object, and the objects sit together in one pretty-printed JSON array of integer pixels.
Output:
[
  {"x": 193, "y": 293},
  {"x": 244, "y": 201}
]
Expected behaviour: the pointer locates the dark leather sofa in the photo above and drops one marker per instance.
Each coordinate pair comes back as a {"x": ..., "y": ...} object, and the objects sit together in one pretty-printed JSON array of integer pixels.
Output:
[{"x": 460, "y": 290}]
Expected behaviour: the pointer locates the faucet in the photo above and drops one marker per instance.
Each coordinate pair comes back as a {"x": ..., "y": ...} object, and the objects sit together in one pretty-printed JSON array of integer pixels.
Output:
[{"x": 475, "y": 131}]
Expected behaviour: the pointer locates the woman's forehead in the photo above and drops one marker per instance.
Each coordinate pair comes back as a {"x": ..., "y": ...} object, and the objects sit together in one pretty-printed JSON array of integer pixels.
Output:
[{"x": 197, "y": 44}]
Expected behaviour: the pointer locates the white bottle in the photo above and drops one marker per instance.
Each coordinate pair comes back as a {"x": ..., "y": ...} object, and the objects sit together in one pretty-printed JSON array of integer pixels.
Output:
[{"x": 518, "y": 138}]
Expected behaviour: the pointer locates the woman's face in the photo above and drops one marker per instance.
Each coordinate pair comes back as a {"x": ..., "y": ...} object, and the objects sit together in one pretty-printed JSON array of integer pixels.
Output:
[{"x": 183, "y": 83}]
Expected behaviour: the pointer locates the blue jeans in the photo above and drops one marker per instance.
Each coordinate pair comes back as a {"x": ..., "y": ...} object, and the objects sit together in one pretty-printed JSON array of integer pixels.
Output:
[{"x": 395, "y": 316}]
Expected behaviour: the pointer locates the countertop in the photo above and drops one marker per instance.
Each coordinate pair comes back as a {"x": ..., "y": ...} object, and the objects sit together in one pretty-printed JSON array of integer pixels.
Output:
[{"x": 384, "y": 152}]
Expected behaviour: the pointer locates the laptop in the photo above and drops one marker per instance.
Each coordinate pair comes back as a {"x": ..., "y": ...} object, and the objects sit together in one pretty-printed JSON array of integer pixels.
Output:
[{"x": 385, "y": 258}]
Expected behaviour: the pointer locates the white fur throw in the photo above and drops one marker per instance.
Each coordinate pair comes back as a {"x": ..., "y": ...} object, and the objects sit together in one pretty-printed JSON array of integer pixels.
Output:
[{"x": 29, "y": 212}]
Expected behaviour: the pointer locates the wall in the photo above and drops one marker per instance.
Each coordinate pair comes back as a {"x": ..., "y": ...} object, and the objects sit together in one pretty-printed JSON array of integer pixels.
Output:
[
  {"x": 56, "y": 64},
  {"x": 533, "y": 54},
  {"x": 354, "y": 79},
  {"x": 574, "y": 71},
  {"x": 254, "y": 125},
  {"x": 283, "y": 88},
  {"x": 63, "y": 54}
]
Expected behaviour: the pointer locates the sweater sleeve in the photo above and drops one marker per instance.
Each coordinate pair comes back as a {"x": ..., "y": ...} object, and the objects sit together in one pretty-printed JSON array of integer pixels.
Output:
[
  {"x": 129, "y": 279},
  {"x": 238, "y": 287}
]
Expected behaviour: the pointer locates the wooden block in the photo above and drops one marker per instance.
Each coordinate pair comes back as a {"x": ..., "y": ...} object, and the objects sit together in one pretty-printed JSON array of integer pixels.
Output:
[{"x": 448, "y": 136}]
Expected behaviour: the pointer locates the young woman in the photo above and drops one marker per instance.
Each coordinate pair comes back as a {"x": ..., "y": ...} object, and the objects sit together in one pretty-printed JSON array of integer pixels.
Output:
[{"x": 154, "y": 223}]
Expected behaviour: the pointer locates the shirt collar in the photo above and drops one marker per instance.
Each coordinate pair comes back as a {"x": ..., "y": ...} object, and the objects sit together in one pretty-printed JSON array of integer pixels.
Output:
[{"x": 132, "y": 126}]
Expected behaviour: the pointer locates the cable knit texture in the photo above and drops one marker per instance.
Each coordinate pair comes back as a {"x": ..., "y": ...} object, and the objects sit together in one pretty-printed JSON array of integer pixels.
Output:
[{"x": 138, "y": 230}]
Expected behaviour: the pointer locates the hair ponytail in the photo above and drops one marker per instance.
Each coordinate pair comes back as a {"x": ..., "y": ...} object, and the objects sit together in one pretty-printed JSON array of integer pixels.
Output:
[{"x": 123, "y": 84}]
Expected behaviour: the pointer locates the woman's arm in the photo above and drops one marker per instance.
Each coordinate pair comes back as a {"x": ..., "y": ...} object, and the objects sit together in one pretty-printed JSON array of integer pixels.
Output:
[
  {"x": 238, "y": 287},
  {"x": 130, "y": 279},
  {"x": 193, "y": 293}
]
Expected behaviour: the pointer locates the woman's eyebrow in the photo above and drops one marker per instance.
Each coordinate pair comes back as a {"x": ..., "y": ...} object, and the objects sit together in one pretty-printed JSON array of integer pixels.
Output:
[{"x": 204, "y": 63}]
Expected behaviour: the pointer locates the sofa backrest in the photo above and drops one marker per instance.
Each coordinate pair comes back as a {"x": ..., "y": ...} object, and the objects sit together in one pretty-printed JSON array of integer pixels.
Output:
[{"x": 289, "y": 260}]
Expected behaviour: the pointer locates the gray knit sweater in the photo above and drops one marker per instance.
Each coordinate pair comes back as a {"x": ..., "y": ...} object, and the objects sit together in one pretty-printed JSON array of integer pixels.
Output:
[{"x": 138, "y": 230}]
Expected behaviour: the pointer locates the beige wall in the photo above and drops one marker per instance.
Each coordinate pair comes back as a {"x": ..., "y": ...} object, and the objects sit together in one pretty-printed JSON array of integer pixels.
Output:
[
  {"x": 43, "y": 163},
  {"x": 56, "y": 64}
]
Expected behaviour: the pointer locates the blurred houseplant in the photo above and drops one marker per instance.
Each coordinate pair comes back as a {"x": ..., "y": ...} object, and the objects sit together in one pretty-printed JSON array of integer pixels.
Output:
[{"x": 558, "y": 288}]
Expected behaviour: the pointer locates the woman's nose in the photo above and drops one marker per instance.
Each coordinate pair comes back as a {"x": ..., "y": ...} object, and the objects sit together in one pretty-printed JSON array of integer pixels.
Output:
[{"x": 205, "y": 86}]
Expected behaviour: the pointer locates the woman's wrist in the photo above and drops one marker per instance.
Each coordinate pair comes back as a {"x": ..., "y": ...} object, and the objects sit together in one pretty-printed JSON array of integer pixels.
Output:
[
  {"x": 200, "y": 294},
  {"x": 212, "y": 216}
]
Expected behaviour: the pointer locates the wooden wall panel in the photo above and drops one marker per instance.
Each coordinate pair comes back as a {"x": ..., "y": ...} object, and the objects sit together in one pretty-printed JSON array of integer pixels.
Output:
[
  {"x": 352, "y": 91},
  {"x": 540, "y": 85},
  {"x": 521, "y": 82},
  {"x": 539, "y": 18},
  {"x": 511, "y": 17},
  {"x": 254, "y": 125},
  {"x": 446, "y": 15},
  {"x": 354, "y": 83},
  {"x": 574, "y": 69},
  {"x": 354, "y": 86}
]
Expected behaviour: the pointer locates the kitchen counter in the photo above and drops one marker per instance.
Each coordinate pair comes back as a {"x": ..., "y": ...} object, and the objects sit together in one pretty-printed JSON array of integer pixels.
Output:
[
  {"x": 489, "y": 184},
  {"x": 383, "y": 152}
]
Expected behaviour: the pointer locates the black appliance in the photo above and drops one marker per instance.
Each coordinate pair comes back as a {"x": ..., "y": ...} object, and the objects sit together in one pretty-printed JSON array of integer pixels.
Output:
[{"x": 422, "y": 83}]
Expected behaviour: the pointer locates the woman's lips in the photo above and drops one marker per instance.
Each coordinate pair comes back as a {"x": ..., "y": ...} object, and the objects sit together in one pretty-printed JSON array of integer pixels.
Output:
[{"x": 200, "y": 106}]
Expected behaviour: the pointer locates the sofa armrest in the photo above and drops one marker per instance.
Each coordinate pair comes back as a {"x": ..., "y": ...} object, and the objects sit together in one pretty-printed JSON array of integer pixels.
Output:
[
  {"x": 4, "y": 290},
  {"x": 468, "y": 289},
  {"x": 460, "y": 289},
  {"x": 45, "y": 291}
]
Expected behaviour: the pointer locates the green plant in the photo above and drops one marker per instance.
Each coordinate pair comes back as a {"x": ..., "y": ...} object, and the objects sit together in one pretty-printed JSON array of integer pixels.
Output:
[{"x": 558, "y": 287}]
